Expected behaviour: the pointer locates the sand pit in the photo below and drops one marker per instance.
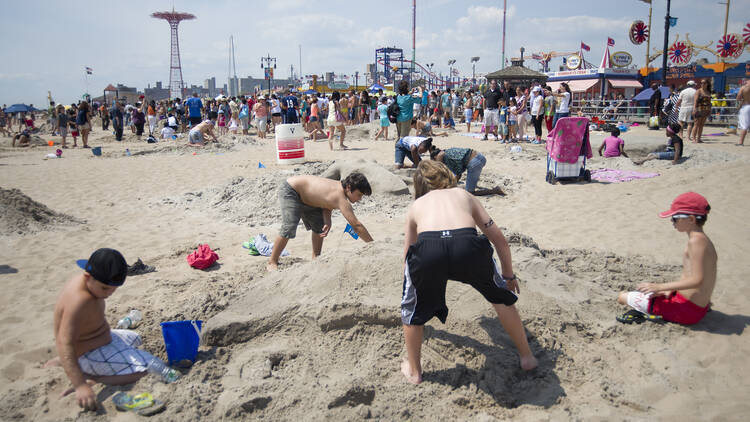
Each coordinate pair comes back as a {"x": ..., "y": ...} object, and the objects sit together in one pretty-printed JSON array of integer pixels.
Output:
[
  {"x": 321, "y": 340},
  {"x": 21, "y": 215}
]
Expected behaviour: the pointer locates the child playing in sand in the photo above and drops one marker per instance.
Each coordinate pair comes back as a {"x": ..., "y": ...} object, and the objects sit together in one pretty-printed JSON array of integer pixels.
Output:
[
  {"x": 674, "y": 147},
  {"x": 312, "y": 199},
  {"x": 613, "y": 146},
  {"x": 687, "y": 300},
  {"x": 411, "y": 147},
  {"x": 441, "y": 243},
  {"x": 197, "y": 135},
  {"x": 88, "y": 350}
]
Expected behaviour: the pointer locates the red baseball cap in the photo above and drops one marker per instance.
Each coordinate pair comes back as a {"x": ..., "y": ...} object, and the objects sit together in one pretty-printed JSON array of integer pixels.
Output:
[{"x": 688, "y": 203}]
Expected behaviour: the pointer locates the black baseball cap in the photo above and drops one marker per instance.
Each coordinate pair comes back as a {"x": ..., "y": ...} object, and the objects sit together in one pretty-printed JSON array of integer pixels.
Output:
[{"x": 106, "y": 265}]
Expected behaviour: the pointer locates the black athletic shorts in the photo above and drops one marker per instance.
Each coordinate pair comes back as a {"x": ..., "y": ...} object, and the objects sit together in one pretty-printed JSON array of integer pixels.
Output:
[{"x": 439, "y": 256}]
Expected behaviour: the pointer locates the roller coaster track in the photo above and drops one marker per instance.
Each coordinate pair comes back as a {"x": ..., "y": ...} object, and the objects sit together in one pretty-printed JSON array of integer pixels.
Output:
[{"x": 435, "y": 79}]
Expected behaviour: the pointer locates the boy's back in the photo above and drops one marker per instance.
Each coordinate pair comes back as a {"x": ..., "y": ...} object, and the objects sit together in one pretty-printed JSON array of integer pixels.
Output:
[
  {"x": 77, "y": 307},
  {"x": 700, "y": 251}
]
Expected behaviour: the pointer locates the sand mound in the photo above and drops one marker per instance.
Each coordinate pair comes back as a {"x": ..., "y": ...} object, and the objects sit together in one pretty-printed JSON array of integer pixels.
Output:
[
  {"x": 20, "y": 214},
  {"x": 251, "y": 201},
  {"x": 381, "y": 180}
]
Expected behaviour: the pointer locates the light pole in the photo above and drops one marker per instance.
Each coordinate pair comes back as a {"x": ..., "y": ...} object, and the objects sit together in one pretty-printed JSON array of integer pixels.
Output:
[
  {"x": 265, "y": 64},
  {"x": 474, "y": 61},
  {"x": 429, "y": 77},
  {"x": 451, "y": 62}
]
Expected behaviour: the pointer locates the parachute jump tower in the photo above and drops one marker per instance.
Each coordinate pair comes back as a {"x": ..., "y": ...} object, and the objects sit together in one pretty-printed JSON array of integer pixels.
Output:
[{"x": 175, "y": 68}]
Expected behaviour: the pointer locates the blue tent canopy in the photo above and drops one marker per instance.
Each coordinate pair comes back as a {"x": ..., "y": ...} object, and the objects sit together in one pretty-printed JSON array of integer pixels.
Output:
[
  {"x": 645, "y": 95},
  {"x": 20, "y": 108},
  {"x": 375, "y": 87},
  {"x": 310, "y": 91}
]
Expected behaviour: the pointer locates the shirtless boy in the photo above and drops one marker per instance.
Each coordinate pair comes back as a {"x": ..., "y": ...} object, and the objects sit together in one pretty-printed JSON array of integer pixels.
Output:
[
  {"x": 441, "y": 243},
  {"x": 87, "y": 349},
  {"x": 197, "y": 137},
  {"x": 312, "y": 199},
  {"x": 686, "y": 300},
  {"x": 743, "y": 115}
]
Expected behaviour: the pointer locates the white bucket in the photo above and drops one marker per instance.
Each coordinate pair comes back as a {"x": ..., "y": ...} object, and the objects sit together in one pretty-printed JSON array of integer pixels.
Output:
[{"x": 290, "y": 144}]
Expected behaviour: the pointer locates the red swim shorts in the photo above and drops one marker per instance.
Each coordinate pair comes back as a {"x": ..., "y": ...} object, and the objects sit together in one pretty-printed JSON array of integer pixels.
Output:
[{"x": 676, "y": 308}]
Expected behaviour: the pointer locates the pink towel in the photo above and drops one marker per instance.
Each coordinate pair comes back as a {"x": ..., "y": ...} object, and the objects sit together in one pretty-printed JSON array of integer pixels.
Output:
[
  {"x": 617, "y": 176},
  {"x": 566, "y": 139}
]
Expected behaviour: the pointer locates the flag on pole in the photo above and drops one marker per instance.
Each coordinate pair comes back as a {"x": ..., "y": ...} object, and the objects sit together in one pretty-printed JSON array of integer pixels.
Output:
[
  {"x": 89, "y": 70},
  {"x": 610, "y": 42},
  {"x": 349, "y": 229},
  {"x": 646, "y": 1},
  {"x": 585, "y": 47}
]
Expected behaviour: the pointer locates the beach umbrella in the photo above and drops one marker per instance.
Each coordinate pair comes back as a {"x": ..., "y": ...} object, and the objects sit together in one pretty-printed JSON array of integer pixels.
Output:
[
  {"x": 310, "y": 91},
  {"x": 19, "y": 108},
  {"x": 645, "y": 95},
  {"x": 375, "y": 87},
  {"x": 220, "y": 97}
]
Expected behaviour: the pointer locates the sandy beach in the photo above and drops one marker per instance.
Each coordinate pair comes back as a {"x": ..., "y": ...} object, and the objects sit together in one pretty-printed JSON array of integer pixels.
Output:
[{"x": 322, "y": 340}]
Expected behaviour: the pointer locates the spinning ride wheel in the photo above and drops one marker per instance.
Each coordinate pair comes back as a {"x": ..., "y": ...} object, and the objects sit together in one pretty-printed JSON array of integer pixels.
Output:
[
  {"x": 730, "y": 45},
  {"x": 638, "y": 32},
  {"x": 746, "y": 34},
  {"x": 680, "y": 53}
]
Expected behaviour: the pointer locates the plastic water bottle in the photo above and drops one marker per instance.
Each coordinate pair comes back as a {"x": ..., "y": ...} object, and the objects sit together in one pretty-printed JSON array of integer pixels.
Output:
[
  {"x": 130, "y": 320},
  {"x": 127, "y": 152},
  {"x": 160, "y": 369}
]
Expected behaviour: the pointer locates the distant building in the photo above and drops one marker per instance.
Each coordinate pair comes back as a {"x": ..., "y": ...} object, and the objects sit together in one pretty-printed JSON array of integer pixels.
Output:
[
  {"x": 158, "y": 93},
  {"x": 210, "y": 85}
]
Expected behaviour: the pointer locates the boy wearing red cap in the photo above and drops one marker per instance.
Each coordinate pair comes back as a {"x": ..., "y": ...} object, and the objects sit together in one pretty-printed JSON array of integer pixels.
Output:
[
  {"x": 685, "y": 301},
  {"x": 87, "y": 349}
]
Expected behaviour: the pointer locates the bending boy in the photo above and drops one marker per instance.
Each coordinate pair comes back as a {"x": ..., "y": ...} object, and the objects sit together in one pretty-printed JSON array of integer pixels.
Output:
[
  {"x": 687, "y": 300},
  {"x": 87, "y": 349},
  {"x": 312, "y": 199},
  {"x": 441, "y": 243}
]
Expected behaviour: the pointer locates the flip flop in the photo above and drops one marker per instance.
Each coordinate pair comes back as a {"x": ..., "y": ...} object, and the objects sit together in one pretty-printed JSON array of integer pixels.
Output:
[
  {"x": 250, "y": 246},
  {"x": 143, "y": 404},
  {"x": 638, "y": 317}
]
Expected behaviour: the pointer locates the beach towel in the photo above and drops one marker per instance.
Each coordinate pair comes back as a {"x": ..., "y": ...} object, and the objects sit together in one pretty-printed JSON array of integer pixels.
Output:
[
  {"x": 265, "y": 247},
  {"x": 617, "y": 176},
  {"x": 202, "y": 258},
  {"x": 472, "y": 135},
  {"x": 566, "y": 141}
]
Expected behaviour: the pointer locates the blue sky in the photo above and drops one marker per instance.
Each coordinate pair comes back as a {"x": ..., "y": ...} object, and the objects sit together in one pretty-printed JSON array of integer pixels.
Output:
[{"x": 48, "y": 43}]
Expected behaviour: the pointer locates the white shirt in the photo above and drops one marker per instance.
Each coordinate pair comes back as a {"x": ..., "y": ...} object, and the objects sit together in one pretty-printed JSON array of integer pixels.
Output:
[
  {"x": 412, "y": 141},
  {"x": 563, "y": 106},
  {"x": 167, "y": 133},
  {"x": 536, "y": 105},
  {"x": 687, "y": 98},
  {"x": 172, "y": 121}
]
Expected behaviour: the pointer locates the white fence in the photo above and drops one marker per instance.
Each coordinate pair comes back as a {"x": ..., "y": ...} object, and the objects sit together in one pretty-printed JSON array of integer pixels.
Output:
[{"x": 723, "y": 111}]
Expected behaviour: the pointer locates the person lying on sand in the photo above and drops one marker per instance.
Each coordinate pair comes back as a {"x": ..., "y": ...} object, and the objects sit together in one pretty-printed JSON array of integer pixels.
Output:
[
  {"x": 687, "y": 300},
  {"x": 441, "y": 243},
  {"x": 197, "y": 137},
  {"x": 88, "y": 350},
  {"x": 411, "y": 147},
  {"x": 424, "y": 128},
  {"x": 312, "y": 199},
  {"x": 459, "y": 160}
]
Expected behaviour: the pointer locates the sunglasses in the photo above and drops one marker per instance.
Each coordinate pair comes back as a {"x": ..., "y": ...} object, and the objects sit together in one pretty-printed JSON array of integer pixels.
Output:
[{"x": 679, "y": 217}]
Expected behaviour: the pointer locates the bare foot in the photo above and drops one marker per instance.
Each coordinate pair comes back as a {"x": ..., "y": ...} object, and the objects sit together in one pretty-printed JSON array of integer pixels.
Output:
[
  {"x": 528, "y": 362},
  {"x": 52, "y": 363},
  {"x": 406, "y": 370},
  {"x": 270, "y": 267}
]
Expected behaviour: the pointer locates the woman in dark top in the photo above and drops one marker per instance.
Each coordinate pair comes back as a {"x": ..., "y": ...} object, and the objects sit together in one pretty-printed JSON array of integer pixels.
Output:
[
  {"x": 83, "y": 121},
  {"x": 459, "y": 160},
  {"x": 674, "y": 147}
]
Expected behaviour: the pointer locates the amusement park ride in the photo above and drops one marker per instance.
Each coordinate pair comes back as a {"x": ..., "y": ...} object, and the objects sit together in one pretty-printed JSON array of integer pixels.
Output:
[{"x": 392, "y": 66}]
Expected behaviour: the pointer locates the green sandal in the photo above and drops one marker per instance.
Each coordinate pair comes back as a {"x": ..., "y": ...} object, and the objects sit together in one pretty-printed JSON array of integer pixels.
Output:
[
  {"x": 143, "y": 404},
  {"x": 250, "y": 246}
]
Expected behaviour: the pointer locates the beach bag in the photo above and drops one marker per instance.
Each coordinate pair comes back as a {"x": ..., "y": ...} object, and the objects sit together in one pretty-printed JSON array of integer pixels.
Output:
[
  {"x": 339, "y": 116},
  {"x": 202, "y": 258},
  {"x": 243, "y": 112},
  {"x": 653, "y": 121},
  {"x": 667, "y": 109},
  {"x": 393, "y": 112}
]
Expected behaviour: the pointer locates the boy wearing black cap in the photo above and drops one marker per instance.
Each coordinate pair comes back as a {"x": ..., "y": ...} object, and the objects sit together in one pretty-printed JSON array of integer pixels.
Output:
[
  {"x": 685, "y": 301},
  {"x": 87, "y": 349}
]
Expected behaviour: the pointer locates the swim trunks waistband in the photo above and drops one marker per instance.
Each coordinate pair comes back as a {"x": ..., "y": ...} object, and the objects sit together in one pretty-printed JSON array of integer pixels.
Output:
[{"x": 440, "y": 234}]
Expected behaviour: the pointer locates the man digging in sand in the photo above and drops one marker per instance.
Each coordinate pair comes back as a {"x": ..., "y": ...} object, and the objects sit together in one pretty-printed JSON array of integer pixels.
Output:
[
  {"x": 312, "y": 199},
  {"x": 441, "y": 243},
  {"x": 87, "y": 349},
  {"x": 198, "y": 136},
  {"x": 687, "y": 300}
]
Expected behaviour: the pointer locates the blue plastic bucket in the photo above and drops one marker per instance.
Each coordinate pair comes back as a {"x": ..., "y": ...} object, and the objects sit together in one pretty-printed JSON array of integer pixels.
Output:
[
  {"x": 96, "y": 151},
  {"x": 181, "y": 339}
]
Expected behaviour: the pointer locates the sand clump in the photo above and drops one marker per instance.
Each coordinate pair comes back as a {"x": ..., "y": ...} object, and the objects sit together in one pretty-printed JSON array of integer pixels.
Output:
[{"x": 21, "y": 215}]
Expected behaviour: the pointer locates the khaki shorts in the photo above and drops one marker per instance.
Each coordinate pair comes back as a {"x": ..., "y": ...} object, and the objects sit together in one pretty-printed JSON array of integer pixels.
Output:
[
  {"x": 293, "y": 209},
  {"x": 85, "y": 126}
]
